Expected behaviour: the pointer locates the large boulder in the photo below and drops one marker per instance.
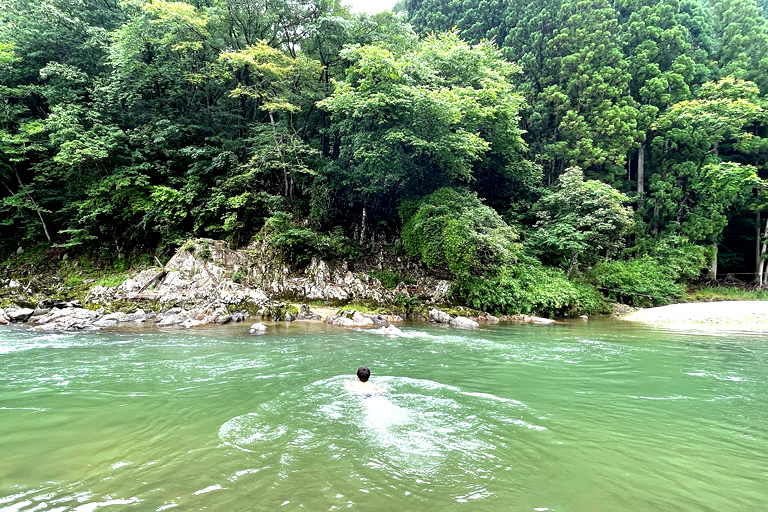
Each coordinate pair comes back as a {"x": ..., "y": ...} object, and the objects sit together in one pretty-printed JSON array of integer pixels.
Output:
[
  {"x": 102, "y": 295},
  {"x": 113, "y": 319},
  {"x": 306, "y": 314},
  {"x": 68, "y": 319},
  {"x": 463, "y": 322},
  {"x": 528, "y": 319},
  {"x": 109, "y": 320},
  {"x": 18, "y": 315},
  {"x": 354, "y": 319},
  {"x": 258, "y": 328},
  {"x": 439, "y": 317},
  {"x": 341, "y": 321}
]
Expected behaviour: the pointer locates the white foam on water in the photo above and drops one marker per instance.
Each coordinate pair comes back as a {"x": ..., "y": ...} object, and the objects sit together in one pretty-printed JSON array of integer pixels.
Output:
[
  {"x": 727, "y": 377},
  {"x": 247, "y": 431},
  {"x": 90, "y": 507},
  {"x": 418, "y": 429},
  {"x": 208, "y": 489}
]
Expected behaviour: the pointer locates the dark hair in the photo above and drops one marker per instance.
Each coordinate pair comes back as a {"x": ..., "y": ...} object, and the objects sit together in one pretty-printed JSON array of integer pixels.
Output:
[{"x": 363, "y": 373}]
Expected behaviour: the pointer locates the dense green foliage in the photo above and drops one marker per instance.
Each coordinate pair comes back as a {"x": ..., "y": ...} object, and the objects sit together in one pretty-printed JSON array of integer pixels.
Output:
[
  {"x": 456, "y": 230},
  {"x": 522, "y": 148},
  {"x": 528, "y": 287},
  {"x": 580, "y": 221},
  {"x": 638, "y": 282}
]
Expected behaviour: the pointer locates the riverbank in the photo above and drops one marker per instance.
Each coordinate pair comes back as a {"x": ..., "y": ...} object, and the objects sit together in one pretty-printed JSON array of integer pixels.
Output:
[
  {"x": 208, "y": 282},
  {"x": 735, "y": 314}
]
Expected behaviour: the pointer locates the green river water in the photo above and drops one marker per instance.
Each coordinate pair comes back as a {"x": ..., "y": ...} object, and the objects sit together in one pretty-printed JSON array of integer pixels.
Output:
[{"x": 576, "y": 416}]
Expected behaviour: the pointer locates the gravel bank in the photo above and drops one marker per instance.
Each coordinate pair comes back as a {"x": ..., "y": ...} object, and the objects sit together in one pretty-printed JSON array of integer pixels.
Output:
[{"x": 741, "y": 314}]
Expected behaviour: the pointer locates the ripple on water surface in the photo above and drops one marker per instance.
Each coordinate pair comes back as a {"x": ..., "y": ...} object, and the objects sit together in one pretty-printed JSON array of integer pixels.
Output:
[
  {"x": 419, "y": 432},
  {"x": 603, "y": 418}
]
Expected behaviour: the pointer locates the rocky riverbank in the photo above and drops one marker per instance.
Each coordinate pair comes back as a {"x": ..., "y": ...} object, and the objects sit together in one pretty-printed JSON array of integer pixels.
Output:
[{"x": 206, "y": 282}]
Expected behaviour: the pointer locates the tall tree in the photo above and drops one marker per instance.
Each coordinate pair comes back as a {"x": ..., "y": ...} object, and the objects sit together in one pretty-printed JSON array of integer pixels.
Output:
[
  {"x": 409, "y": 121},
  {"x": 698, "y": 185},
  {"x": 590, "y": 111},
  {"x": 743, "y": 35}
]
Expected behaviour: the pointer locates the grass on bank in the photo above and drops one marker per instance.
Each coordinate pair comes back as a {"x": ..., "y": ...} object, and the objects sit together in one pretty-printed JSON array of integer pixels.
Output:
[{"x": 723, "y": 293}]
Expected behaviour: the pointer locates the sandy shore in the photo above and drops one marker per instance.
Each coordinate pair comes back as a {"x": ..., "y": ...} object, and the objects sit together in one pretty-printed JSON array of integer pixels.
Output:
[
  {"x": 323, "y": 311},
  {"x": 737, "y": 314}
]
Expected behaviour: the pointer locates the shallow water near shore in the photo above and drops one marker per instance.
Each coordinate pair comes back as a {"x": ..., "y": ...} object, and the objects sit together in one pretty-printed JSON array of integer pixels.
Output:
[{"x": 576, "y": 416}]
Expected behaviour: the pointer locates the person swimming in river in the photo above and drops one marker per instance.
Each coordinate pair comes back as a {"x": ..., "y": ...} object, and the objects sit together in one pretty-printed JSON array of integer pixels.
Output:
[
  {"x": 390, "y": 329},
  {"x": 362, "y": 385}
]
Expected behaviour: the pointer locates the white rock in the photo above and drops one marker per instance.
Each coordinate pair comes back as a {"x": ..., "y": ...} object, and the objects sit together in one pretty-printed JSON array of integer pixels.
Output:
[
  {"x": 166, "y": 320},
  {"x": 390, "y": 329},
  {"x": 258, "y": 328},
  {"x": 68, "y": 319},
  {"x": 19, "y": 314},
  {"x": 464, "y": 322},
  {"x": 362, "y": 320},
  {"x": 440, "y": 317},
  {"x": 75, "y": 314},
  {"x": 189, "y": 322}
]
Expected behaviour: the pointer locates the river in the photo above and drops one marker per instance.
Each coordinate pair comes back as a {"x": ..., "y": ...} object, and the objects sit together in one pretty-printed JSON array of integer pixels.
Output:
[{"x": 576, "y": 416}]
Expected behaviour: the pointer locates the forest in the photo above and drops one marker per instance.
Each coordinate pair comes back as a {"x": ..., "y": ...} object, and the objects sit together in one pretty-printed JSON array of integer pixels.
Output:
[{"x": 543, "y": 155}]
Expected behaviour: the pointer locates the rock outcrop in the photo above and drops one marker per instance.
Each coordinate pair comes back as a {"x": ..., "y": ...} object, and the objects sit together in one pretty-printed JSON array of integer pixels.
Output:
[
  {"x": 18, "y": 315},
  {"x": 207, "y": 282},
  {"x": 205, "y": 278},
  {"x": 350, "y": 318},
  {"x": 68, "y": 319},
  {"x": 441, "y": 317},
  {"x": 113, "y": 319}
]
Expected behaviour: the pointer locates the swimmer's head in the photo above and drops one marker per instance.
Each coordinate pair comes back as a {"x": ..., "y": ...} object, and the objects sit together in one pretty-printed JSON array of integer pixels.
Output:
[{"x": 363, "y": 373}]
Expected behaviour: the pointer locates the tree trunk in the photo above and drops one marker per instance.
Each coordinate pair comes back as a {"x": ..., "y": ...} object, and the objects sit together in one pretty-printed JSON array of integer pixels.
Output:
[
  {"x": 574, "y": 264},
  {"x": 713, "y": 267},
  {"x": 31, "y": 200},
  {"x": 280, "y": 154},
  {"x": 363, "y": 221},
  {"x": 758, "y": 259},
  {"x": 641, "y": 170},
  {"x": 45, "y": 228},
  {"x": 761, "y": 277}
]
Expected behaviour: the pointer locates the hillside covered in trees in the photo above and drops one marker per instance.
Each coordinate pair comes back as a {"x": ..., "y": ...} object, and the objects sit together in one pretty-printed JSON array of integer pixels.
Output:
[{"x": 543, "y": 155}]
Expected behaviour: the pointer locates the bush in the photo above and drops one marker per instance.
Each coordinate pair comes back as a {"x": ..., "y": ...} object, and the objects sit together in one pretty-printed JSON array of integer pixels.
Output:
[
  {"x": 579, "y": 220},
  {"x": 679, "y": 256},
  {"x": 111, "y": 281},
  {"x": 404, "y": 304},
  {"x": 238, "y": 276},
  {"x": 390, "y": 279},
  {"x": 456, "y": 230},
  {"x": 529, "y": 288},
  {"x": 205, "y": 251},
  {"x": 73, "y": 281},
  {"x": 299, "y": 244},
  {"x": 639, "y": 282}
]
